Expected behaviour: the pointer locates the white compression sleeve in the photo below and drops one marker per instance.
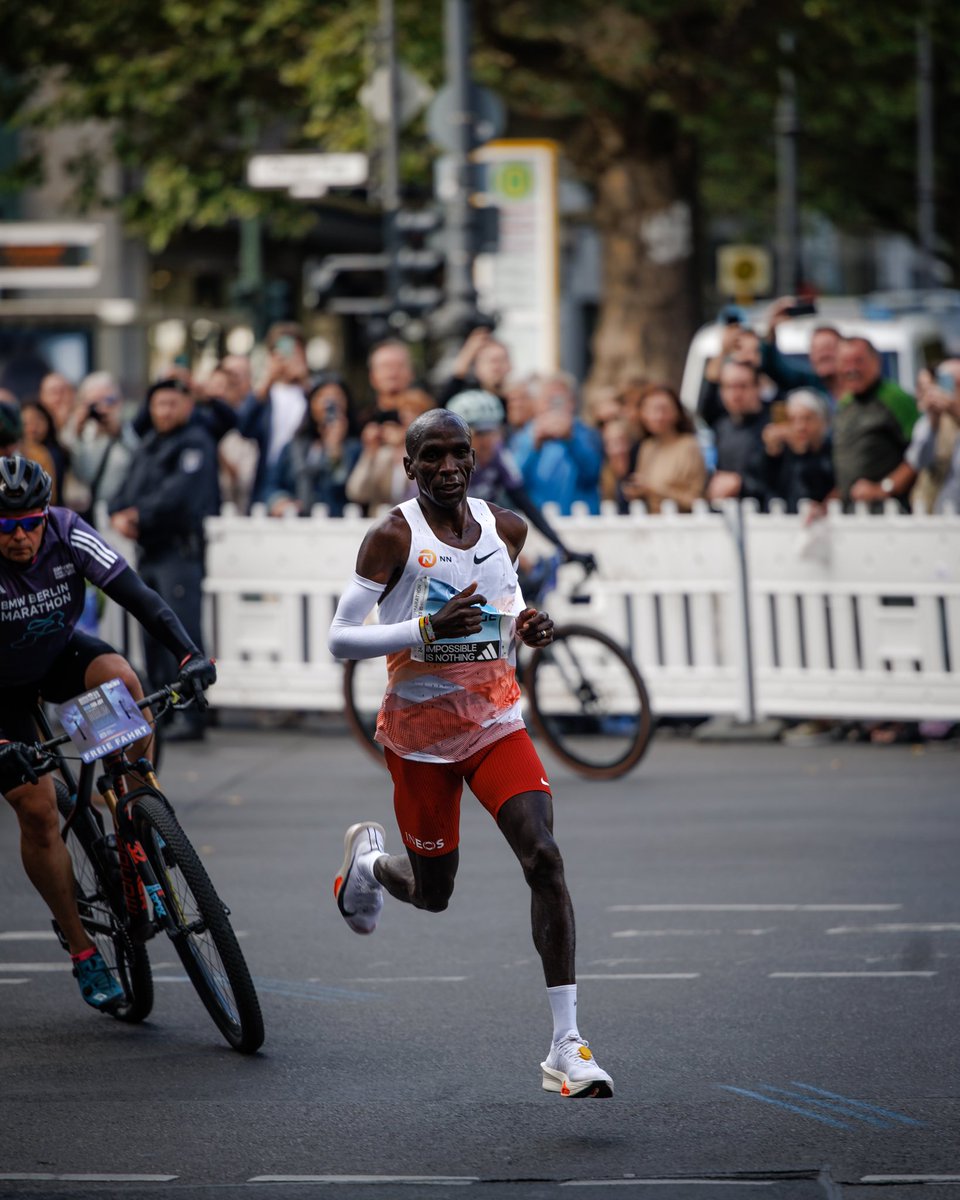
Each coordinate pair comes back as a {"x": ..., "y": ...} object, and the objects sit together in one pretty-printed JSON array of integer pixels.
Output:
[{"x": 349, "y": 637}]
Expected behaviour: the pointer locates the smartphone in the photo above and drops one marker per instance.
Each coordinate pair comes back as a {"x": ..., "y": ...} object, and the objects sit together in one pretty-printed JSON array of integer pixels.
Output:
[
  {"x": 332, "y": 411},
  {"x": 803, "y": 308},
  {"x": 778, "y": 412},
  {"x": 946, "y": 382},
  {"x": 285, "y": 347},
  {"x": 731, "y": 314}
]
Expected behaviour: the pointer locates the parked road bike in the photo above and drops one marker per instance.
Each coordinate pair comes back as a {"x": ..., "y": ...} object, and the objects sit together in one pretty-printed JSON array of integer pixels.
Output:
[
  {"x": 584, "y": 694},
  {"x": 138, "y": 876}
]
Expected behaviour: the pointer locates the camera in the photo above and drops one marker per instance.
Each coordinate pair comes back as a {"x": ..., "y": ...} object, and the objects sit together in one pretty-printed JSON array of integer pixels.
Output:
[
  {"x": 332, "y": 411},
  {"x": 946, "y": 382},
  {"x": 98, "y": 414},
  {"x": 802, "y": 308}
]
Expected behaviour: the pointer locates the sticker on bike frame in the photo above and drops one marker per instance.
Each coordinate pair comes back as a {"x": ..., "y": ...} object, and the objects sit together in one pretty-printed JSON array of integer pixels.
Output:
[{"x": 103, "y": 720}]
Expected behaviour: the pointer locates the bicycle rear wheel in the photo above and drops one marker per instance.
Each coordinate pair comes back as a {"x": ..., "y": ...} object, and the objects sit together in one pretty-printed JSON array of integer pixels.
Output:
[
  {"x": 364, "y": 683},
  {"x": 96, "y": 871},
  {"x": 589, "y": 703},
  {"x": 203, "y": 937}
]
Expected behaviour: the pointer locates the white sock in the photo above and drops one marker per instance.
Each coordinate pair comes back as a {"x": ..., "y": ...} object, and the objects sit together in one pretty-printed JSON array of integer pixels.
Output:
[
  {"x": 563, "y": 1005},
  {"x": 365, "y": 864}
]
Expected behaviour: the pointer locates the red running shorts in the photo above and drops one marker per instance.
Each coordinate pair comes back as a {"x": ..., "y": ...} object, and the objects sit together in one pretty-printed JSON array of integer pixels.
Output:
[{"x": 426, "y": 796}]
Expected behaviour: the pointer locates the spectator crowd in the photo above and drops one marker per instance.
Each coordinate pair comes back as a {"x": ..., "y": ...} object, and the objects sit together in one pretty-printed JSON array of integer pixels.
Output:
[{"x": 764, "y": 429}]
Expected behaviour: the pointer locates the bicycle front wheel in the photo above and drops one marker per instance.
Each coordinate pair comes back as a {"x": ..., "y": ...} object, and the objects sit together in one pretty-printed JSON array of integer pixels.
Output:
[
  {"x": 201, "y": 934},
  {"x": 364, "y": 683},
  {"x": 589, "y": 703},
  {"x": 96, "y": 873}
]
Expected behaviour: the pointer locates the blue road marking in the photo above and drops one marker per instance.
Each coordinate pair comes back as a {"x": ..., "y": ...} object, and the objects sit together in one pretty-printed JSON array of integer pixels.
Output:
[
  {"x": 859, "y": 1110},
  {"x": 845, "y": 1107},
  {"x": 804, "y": 1112},
  {"x": 884, "y": 1112}
]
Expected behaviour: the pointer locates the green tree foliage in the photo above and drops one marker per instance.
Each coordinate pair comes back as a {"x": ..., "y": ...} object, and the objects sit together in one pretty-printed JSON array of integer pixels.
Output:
[{"x": 188, "y": 90}]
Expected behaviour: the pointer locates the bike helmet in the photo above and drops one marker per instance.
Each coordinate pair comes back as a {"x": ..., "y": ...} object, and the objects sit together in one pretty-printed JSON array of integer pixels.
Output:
[
  {"x": 481, "y": 410},
  {"x": 24, "y": 485}
]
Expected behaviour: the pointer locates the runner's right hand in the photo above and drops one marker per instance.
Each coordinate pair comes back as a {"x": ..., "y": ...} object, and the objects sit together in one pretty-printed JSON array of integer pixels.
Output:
[{"x": 461, "y": 615}]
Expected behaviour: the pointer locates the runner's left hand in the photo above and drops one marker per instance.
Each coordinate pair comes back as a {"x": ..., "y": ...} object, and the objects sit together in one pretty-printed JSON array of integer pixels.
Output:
[{"x": 535, "y": 628}]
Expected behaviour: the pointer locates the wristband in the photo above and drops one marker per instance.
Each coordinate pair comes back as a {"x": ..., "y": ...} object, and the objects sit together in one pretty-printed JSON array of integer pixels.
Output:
[{"x": 426, "y": 629}]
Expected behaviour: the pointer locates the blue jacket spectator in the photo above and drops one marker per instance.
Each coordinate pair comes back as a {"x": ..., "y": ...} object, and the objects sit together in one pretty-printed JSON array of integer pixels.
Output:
[{"x": 559, "y": 457}]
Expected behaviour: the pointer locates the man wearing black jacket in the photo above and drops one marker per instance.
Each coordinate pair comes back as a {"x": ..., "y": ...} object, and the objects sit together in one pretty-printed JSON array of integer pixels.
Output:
[{"x": 170, "y": 488}]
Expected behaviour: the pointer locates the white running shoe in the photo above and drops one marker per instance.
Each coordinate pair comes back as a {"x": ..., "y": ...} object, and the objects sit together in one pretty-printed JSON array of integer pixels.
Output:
[
  {"x": 571, "y": 1070},
  {"x": 358, "y": 899}
]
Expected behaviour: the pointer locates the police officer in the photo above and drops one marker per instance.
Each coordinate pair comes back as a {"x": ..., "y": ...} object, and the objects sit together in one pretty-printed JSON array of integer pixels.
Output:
[{"x": 170, "y": 487}]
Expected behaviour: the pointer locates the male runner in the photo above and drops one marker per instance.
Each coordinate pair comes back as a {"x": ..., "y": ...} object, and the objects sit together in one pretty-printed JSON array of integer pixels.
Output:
[
  {"x": 441, "y": 567},
  {"x": 46, "y": 555}
]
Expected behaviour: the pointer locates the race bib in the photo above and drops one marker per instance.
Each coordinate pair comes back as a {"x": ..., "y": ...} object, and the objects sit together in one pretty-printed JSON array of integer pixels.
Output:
[{"x": 491, "y": 641}]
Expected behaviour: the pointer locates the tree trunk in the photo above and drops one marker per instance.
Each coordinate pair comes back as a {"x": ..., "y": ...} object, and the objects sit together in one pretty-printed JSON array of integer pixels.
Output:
[{"x": 650, "y": 291}]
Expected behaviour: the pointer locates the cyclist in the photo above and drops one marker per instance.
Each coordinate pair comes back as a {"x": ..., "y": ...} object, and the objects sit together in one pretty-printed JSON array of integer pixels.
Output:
[
  {"x": 441, "y": 567},
  {"x": 46, "y": 556},
  {"x": 497, "y": 477}
]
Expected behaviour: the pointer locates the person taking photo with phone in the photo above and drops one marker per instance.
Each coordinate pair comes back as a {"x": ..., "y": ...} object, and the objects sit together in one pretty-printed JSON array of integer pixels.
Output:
[{"x": 272, "y": 412}]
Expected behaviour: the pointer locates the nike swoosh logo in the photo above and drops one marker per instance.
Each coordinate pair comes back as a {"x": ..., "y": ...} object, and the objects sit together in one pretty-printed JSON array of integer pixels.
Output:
[
  {"x": 544, "y": 781},
  {"x": 478, "y": 561}
]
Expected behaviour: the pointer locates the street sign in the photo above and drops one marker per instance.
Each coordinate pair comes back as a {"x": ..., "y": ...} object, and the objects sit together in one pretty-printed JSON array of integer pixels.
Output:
[
  {"x": 41, "y": 254},
  {"x": 489, "y": 117},
  {"x": 744, "y": 271},
  {"x": 518, "y": 279},
  {"x": 414, "y": 95},
  {"x": 307, "y": 172}
]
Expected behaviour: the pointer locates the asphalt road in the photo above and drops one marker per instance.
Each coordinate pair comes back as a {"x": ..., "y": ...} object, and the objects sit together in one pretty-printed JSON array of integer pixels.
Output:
[{"x": 768, "y": 968}]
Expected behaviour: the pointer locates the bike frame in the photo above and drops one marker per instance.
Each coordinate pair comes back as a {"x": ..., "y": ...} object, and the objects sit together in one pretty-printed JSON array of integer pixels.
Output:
[{"x": 137, "y": 876}]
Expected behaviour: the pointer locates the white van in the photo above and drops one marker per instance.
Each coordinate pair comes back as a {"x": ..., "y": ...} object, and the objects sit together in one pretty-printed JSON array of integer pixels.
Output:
[{"x": 906, "y": 342}]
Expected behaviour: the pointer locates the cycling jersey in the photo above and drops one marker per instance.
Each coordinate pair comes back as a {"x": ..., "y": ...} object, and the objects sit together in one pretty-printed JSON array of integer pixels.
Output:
[{"x": 42, "y": 601}]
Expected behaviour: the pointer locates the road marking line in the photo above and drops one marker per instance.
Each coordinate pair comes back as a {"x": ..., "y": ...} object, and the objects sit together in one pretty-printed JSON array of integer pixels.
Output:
[
  {"x": 844, "y": 1109},
  {"x": 673, "y": 975},
  {"x": 910, "y": 1179},
  {"x": 851, "y": 974},
  {"x": 886, "y": 1112},
  {"x": 24, "y": 1177},
  {"x": 28, "y": 935},
  {"x": 660, "y": 908},
  {"x": 36, "y": 966},
  {"x": 2, "y": 981},
  {"x": 410, "y": 979},
  {"x": 804, "y": 1112},
  {"x": 895, "y": 929},
  {"x": 692, "y": 932},
  {"x": 448, "y": 1180},
  {"x": 676, "y": 1182}
]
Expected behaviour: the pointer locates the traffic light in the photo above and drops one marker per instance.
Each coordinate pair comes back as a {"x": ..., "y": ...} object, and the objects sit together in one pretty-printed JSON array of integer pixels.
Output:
[{"x": 419, "y": 264}]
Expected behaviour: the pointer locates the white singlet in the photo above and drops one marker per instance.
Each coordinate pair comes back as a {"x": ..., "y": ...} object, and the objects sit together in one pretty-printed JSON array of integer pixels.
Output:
[{"x": 448, "y": 699}]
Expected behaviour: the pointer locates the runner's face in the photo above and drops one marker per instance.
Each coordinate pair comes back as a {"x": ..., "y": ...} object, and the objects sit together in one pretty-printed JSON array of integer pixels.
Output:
[
  {"x": 21, "y": 546},
  {"x": 442, "y": 466}
]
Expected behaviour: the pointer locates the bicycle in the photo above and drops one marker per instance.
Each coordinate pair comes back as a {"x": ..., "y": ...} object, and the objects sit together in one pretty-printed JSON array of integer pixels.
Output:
[
  {"x": 585, "y": 696},
  {"x": 143, "y": 876}
]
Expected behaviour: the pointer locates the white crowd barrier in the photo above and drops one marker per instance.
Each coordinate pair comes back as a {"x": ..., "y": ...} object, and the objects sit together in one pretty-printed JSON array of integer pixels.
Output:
[{"x": 735, "y": 613}]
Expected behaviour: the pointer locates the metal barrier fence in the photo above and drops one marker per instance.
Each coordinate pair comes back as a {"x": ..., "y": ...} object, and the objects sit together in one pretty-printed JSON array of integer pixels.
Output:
[{"x": 735, "y": 613}]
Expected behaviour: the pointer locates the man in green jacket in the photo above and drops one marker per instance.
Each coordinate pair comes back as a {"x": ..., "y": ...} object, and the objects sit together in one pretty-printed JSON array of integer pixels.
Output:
[{"x": 871, "y": 430}]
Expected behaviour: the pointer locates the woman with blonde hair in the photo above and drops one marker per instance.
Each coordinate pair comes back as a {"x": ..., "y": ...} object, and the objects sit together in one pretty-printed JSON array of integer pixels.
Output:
[{"x": 667, "y": 462}]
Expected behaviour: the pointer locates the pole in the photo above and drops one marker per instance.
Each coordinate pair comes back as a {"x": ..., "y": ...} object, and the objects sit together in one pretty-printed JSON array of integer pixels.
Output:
[
  {"x": 251, "y": 245},
  {"x": 390, "y": 147},
  {"x": 461, "y": 296},
  {"x": 926, "y": 210},
  {"x": 788, "y": 209}
]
